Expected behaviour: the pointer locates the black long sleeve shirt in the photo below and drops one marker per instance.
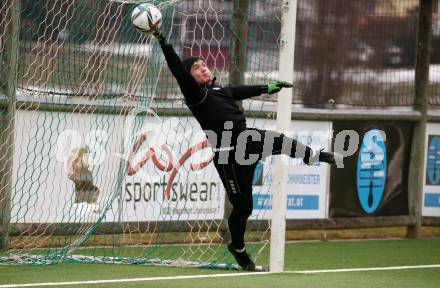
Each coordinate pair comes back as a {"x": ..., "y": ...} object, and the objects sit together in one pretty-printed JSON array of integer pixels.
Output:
[{"x": 211, "y": 105}]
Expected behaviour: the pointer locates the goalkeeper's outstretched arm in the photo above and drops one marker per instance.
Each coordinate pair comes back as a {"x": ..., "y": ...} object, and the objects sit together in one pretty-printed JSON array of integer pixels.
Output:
[
  {"x": 245, "y": 92},
  {"x": 188, "y": 85}
]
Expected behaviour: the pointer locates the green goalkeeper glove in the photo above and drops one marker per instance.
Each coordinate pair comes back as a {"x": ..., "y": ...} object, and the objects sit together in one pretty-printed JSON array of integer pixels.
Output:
[
  {"x": 159, "y": 36},
  {"x": 276, "y": 86}
]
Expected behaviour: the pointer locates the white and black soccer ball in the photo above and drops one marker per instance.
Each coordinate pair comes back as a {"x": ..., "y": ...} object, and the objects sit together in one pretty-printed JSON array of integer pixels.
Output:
[{"x": 146, "y": 18}]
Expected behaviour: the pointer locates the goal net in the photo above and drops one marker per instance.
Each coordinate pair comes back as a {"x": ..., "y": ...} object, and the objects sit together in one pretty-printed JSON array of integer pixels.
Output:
[{"x": 107, "y": 164}]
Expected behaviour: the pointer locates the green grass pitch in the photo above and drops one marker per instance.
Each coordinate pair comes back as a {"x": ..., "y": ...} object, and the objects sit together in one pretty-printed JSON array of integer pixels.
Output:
[{"x": 300, "y": 256}]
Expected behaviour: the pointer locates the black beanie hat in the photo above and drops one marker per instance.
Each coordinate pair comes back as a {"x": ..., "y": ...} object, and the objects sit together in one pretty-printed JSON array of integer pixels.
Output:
[{"x": 188, "y": 62}]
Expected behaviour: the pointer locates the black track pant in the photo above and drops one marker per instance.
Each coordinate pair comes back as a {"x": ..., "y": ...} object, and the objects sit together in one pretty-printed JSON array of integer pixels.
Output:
[{"x": 237, "y": 178}]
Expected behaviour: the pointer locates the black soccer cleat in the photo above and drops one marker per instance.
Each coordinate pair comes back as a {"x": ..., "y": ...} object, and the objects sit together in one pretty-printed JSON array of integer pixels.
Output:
[
  {"x": 327, "y": 157},
  {"x": 242, "y": 259}
]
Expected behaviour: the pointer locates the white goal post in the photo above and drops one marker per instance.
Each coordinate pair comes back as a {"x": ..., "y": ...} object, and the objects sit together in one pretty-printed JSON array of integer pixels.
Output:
[{"x": 279, "y": 188}]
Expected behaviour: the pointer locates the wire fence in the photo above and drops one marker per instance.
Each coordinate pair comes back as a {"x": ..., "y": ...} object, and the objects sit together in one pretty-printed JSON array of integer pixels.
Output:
[
  {"x": 434, "y": 78},
  {"x": 348, "y": 53}
]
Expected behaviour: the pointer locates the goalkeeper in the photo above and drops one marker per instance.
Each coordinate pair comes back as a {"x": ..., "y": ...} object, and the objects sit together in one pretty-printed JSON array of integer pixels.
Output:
[{"x": 215, "y": 109}]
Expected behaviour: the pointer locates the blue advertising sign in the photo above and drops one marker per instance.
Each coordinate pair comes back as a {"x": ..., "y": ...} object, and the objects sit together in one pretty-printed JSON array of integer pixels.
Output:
[
  {"x": 433, "y": 161},
  {"x": 371, "y": 170}
]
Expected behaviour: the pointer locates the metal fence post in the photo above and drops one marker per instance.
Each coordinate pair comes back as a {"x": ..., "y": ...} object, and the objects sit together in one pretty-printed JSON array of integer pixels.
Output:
[
  {"x": 416, "y": 176},
  {"x": 10, "y": 60}
]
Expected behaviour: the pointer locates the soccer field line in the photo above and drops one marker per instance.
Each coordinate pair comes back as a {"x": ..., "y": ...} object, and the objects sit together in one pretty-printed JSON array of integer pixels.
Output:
[
  {"x": 363, "y": 269},
  {"x": 189, "y": 277}
]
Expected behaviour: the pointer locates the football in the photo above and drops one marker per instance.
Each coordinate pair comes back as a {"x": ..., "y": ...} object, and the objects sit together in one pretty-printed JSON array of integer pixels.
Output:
[{"x": 146, "y": 18}]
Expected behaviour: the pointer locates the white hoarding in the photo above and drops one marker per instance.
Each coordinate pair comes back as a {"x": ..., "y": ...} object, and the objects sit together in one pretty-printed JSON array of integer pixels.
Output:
[
  {"x": 431, "y": 185},
  {"x": 65, "y": 170},
  {"x": 307, "y": 185},
  {"x": 71, "y": 168}
]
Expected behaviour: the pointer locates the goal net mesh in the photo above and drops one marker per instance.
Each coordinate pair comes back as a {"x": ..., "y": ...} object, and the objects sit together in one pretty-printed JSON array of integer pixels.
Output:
[{"x": 108, "y": 165}]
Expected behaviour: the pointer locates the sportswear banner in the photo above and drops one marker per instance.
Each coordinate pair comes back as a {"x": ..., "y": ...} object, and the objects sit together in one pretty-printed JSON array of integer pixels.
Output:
[
  {"x": 122, "y": 168},
  {"x": 374, "y": 179},
  {"x": 169, "y": 173},
  {"x": 431, "y": 185}
]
